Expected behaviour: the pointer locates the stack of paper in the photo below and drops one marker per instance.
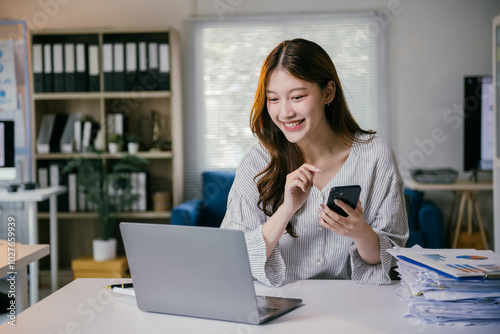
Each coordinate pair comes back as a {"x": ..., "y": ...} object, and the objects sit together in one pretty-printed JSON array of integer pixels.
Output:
[{"x": 450, "y": 286}]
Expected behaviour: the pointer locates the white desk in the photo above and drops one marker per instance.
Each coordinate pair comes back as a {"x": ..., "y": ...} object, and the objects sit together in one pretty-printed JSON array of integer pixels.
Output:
[
  {"x": 31, "y": 197},
  {"x": 466, "y": 192},
  {"x": 23, "y": 255},
  {"x": 329, "y": 306}
]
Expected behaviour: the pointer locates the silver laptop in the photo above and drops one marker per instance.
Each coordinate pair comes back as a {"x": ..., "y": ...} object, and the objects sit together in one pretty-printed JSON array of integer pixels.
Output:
[{"x": 196, "y": 271}]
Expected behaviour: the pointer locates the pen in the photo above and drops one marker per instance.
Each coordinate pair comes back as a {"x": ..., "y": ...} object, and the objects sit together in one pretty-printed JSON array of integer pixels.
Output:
[{"x": 122, "y": 285}]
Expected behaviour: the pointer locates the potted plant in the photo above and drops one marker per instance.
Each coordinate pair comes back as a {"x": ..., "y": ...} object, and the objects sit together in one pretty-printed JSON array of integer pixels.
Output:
[
  {"x": 132, "y": 143},
  {"x": 115, "y": 143},
  {"x": 109, "y": 192}
]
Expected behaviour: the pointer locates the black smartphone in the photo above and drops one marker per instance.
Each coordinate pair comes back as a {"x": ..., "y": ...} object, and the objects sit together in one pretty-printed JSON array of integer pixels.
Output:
[{"x": 347, "y": 194}]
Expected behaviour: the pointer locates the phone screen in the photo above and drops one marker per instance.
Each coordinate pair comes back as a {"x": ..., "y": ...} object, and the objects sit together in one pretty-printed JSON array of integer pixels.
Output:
[{"x": 347, "y": 194}]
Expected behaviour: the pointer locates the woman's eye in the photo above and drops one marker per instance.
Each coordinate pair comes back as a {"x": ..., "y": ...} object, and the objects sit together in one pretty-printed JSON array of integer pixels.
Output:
[
  {"x": 271, "y": 99},
  {"x": 296, "y": 98}
]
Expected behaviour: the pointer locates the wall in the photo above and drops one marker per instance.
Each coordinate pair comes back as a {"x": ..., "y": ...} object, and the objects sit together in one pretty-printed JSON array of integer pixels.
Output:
[{"x": 432, "y": 45}]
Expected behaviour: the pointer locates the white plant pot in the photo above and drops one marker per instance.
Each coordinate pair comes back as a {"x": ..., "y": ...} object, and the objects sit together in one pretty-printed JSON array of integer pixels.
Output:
[
  {"x": 104, "y": 250},
  {"x": 113, "y": 148},
  {"x": 133, "y": 148}
]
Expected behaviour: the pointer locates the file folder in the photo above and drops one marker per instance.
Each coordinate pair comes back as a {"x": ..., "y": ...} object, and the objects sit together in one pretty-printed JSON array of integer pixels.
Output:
[
  {"x": 107, "y": 66},
  {"x": 48, "y": 85},
  {"x": 44, "y": 134},
  {"x": 131, "y": 65},
  {"x": 38, "y": 68},
  {"x": 143, "y": 66},
  {"x": 58, "y": 73},
  {"x": 81, "y": 68},
  {"x": 118, "y": 67},
  {"x": 67, "y": 138},
  {"x": 57, "y": 131},
  {"x": 164, "y": 67},
  {"x": 77, "y": 135},
  {"x": 93, "y": 79},
  {"x": 69, "y": 67},
  {"x": 153, "y": 69}
]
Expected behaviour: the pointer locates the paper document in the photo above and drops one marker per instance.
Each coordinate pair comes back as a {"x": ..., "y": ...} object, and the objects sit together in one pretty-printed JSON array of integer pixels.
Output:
[{"x": 457, "y": 263}]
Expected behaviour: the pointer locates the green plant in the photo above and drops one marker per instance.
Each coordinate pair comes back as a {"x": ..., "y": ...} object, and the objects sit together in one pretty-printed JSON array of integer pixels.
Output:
[
  {"x": 117, "y": 139},
  {"x": 131, "y": 138},
  {"x": 108, "y": 191}
]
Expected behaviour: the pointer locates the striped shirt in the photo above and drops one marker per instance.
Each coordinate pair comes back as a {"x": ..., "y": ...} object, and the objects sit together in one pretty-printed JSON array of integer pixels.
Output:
[{"x": 318, "y": 253}]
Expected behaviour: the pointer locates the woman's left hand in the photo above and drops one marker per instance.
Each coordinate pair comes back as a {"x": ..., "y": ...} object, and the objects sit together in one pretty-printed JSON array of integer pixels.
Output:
[{"x": 353, "y": 226}]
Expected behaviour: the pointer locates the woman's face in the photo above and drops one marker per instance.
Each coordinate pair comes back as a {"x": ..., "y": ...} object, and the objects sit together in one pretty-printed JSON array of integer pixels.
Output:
[{"x": 296, "y": 106}]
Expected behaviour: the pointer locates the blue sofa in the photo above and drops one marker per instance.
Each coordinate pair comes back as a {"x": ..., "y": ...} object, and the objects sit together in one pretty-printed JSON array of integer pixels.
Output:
[
  {"x": 425, "y": 222},
  {"x": 425, "y": 218},
  {"x": 211, "y": 208}
]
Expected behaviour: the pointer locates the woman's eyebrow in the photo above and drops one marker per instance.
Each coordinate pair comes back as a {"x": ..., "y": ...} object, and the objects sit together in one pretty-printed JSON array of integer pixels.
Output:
[{"x": 290, "y": 91}]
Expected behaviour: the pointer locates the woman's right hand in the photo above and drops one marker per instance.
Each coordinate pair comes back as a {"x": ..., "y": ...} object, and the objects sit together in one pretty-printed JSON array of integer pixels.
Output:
[{"x": 298, "y": 186}]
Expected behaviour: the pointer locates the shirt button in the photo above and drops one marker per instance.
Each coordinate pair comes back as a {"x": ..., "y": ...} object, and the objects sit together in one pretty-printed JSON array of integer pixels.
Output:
[
  {"x": 318, "y": 262},
  {"x": 320, "y": 196},
  {"x": 320, "y": 228}
]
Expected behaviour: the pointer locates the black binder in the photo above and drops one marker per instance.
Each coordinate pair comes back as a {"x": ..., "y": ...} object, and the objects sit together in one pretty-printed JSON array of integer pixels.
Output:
[
  {"x": 107, "y": 66},
  {"x": 57, "y": 130},
  {"x": 69, "y": 67},
  {"x": 131, "y": 65},
  {"x": 81, "y": 68},
  {"x": 58, "y": 67},
  {"x": 38, "y": 79},
  {"x": 142, "y": 66},
  {"x": 153, "y": 77},
  {"x": 164, "y": 66},
  {"x": 48, "y": 85},
  {"x": 118, "y": 67},
  {"x": 93, "y": 68}
]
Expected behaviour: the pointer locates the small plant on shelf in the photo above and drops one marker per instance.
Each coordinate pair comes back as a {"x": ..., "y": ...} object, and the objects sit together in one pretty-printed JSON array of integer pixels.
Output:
[
  {"x": 115, "y": 143},
  {"x": 132, "y": 143},
  {"x": 108, "y": 191}
]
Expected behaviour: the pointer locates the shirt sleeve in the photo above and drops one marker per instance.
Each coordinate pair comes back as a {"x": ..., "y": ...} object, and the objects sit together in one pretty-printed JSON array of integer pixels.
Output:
[
  {"x": 390, "y": 222},
  {"x": 243, "y": 214}
]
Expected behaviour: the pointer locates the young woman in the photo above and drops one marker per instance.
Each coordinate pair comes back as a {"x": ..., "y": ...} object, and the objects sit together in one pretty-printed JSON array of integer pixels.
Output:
[{"x": 308, "y": 143}]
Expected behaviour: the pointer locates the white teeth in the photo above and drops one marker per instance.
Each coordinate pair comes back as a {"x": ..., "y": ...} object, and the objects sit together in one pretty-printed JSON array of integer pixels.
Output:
[{"x": 291, "y": 125}]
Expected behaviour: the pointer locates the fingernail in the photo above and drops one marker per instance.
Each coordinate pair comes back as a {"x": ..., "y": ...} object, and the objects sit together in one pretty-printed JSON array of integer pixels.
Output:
[{"x": 318, "y": 169}]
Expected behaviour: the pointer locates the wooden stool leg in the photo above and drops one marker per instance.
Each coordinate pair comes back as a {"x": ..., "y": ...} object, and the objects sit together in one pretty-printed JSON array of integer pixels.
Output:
[
  {"x": 469, "y": 212},
  {"x": 459, "y": 220},
  {"x": 480, "y": 223}
]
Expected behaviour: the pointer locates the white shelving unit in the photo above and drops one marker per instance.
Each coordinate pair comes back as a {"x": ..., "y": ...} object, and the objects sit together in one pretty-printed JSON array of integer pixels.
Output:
[{"x": 496, "y": 163}]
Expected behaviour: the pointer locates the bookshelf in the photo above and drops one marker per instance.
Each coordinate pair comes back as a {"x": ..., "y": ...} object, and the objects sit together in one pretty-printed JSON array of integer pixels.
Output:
[
  {"x": 138, "y": 102},
  {"x": 496, "y": 162}
]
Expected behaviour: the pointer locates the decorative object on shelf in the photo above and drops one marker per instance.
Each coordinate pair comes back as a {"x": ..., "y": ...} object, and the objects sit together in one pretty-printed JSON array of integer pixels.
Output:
[
  {"x": 156, "y": 131},
  {"x": 108, "y": 191},
  {"x": 115, "y": 143},
  {"x": 162, "y": 201},
  {"x": 132, "y": 144}
]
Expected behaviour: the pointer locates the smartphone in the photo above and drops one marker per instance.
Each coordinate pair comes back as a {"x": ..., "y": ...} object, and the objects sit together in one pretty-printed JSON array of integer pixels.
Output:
[{"x": 347, "y": 194}]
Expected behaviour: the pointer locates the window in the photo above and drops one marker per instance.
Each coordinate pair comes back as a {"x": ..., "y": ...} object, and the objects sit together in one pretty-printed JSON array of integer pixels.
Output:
[{"x": 222, "y": 66}]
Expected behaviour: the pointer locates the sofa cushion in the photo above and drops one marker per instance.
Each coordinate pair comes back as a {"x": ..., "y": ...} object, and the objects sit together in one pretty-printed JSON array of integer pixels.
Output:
[{"x": 216, "y": 186}]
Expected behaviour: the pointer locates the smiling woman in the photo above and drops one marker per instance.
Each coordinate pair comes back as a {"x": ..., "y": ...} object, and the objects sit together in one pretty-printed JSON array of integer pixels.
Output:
[{"x": 309, "y": 142}]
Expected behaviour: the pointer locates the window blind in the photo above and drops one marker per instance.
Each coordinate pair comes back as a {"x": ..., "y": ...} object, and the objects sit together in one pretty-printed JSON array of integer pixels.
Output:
[{"x": 222, "y": 63}]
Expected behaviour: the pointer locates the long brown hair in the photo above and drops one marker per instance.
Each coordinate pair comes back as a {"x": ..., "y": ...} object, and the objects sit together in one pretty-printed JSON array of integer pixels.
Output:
[{"x": 306, "y": 61}]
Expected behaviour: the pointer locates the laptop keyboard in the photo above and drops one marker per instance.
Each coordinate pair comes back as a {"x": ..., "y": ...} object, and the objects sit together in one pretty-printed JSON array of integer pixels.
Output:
[{"x": 266, "y": 310}]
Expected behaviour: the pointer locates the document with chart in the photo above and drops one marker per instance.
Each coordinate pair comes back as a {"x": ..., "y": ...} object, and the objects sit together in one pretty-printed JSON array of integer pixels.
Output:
[{"x": 456, "y": 263}]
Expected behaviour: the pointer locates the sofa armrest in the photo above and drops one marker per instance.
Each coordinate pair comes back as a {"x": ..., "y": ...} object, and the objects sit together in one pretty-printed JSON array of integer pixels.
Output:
[
  {"x": 431, "y": 223},
  {"x": 187, "y": 213}
]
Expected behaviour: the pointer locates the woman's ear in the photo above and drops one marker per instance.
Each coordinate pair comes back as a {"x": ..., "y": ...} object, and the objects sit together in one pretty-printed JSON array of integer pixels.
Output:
[{"x": 329, "y": 92}]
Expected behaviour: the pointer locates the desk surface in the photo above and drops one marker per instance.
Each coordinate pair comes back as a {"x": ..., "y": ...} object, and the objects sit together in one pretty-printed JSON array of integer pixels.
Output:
[
  {"x": 330, "y": 306},
  {"x": 35, "y": 195},
  {"x": 460, "y": 185},
  {"x": 24, "y": 255}
]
